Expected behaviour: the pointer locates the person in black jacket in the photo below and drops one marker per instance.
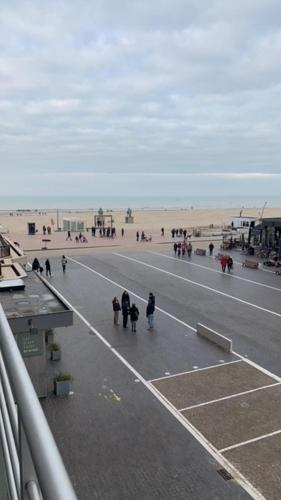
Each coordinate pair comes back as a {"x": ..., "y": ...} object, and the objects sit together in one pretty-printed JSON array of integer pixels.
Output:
[
  {"x": 150, "y": 310},
  {"x": 134, "y": 315},
  {"x": 48, "y": 267},
  {"x": 116, "y": 309},
  {"x": 125, "y": 298}
]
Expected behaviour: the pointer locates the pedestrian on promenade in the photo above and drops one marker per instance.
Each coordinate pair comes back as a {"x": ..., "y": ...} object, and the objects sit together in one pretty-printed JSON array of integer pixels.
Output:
[
  {"x": 183, "y": 248},
  {"x": 211, "y": 248},
  {"x": 223, "y": 260},
  {"x": 63, "y": 263},
  {"x": 125, "y": 306},
  {"x": 189, "y": 249},
  {"x": 35, "y": 264},
  {"x": 116, "y": 309},
  {"x": 48, "y": 267},
  {"x": 150, "y": 308},
  {"x": 122, "y": 232},
  {"x": 134, "y": 315},
  {"x": 162, "y": 231},
  {"x": 229, "y": 264},
  {"x": 44, "y": 229},
  {"x": 175, "y": 248},
  {"x": 68, "y": 236},
  {"x": 137, "y": 236},
  {"x": 179, "y": 249}
]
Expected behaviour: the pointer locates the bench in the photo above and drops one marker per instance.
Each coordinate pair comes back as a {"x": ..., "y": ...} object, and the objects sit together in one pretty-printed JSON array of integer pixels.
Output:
[
  {"x": 200, "y": 251},
  {"x": 252, "y": 264},
  {"x": 45, "y": 240}
]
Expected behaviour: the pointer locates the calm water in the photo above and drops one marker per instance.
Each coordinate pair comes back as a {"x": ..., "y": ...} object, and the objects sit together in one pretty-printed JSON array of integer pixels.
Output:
[{"x": 114, "y": 202}]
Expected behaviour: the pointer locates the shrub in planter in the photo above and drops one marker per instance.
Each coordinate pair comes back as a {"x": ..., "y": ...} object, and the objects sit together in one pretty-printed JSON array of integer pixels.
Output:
[
  {"x": 55, "y": 352},
  {"x": 62, "y": 384}
]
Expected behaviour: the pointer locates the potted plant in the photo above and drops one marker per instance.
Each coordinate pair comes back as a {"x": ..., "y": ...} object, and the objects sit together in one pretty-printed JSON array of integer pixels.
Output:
[
  {"x": 62, "y": 384},
  {"x": 49, "y": 336},
  {"x": 55, "y": 352}
]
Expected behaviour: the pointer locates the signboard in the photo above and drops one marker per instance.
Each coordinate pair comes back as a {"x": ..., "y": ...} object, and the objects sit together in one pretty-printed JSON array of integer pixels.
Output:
[{"x": 31, "y": 343}]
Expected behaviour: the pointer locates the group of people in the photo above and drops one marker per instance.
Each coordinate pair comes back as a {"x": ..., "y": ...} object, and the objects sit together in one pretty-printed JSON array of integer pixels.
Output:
[
  {"x": 37, "y": 267},
  {"x": 132, "y": 311},
  {"x": 226, "y": 261},
  {"x": 143, "y": 236},
  {"x": 181, "y": 248},
  {"x": 79, "y": 239},
  {"x": 178, "y": 232}
]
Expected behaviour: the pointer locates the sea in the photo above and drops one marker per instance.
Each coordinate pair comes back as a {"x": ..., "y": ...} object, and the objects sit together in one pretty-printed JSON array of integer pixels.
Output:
[{"x": 144, "y": 202}]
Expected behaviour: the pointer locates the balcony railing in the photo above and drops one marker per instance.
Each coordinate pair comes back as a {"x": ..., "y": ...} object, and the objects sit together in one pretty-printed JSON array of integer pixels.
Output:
[{"x": 34, "y": 469}]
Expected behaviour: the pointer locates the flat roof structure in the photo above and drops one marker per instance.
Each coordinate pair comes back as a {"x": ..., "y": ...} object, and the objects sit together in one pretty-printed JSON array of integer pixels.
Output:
[{"x": 36, "y": 303}]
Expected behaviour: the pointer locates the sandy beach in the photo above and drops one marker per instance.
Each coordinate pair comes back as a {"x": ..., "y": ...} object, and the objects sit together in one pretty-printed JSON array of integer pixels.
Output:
[{"x": 149, "y": 221}]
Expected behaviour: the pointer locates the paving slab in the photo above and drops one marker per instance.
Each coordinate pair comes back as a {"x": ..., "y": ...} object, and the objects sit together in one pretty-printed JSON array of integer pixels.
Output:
[
  {"x": 260, "y": 462},
  {"x": 238, "y": 419},
  {"x": 117, "y": 440},
  {"x": 206, "y": 385}
]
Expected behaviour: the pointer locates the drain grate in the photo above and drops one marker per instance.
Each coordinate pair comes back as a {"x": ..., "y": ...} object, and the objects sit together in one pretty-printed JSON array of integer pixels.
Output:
[{"x": 225, "y": 474}]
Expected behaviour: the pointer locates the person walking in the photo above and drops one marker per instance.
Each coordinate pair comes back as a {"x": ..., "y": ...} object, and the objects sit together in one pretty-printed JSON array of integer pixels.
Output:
[
  {"x": 48, "y": 268},
  {"x": 162, "y": 231},
  {"x": 229, "y": 264},
  {"x": 122, "y": 232},
  {"x": 35, "y": 264},
  {"x": 68, "y": 236},
  {"x": 63, "y": 263},
  {"x": 189, "y": 249},
  {"x": 134, "y": 315},
  {"x": 150, "y": 310},
  {"x": 211, "y": 248},
  {"x": 116, "y": 309},
  {"x": 223, "y": 260},
  {"x": 175, "y": 248}
]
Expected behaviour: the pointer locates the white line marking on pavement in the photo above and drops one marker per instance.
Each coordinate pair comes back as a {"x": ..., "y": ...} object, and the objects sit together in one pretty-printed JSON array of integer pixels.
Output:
[
  {"x": 230, "y": 396},
  {"x": 132, "y": 293},
  {"x": 199, "y": 284},
  {"x": 252, "y": 363},
  {"x": 243, "y": 443},
  {"x": 196, "y": 370},
  {"x": 234, "y": 276},
  {"x": 180, "y": 418}
]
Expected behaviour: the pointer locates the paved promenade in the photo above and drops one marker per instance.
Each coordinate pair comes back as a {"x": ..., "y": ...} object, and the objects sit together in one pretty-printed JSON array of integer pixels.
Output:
[{"x": 164, "y": 414}]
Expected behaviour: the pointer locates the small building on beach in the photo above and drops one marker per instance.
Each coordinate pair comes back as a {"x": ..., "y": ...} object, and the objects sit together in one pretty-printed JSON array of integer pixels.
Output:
[{"x": 73, "y": 225}]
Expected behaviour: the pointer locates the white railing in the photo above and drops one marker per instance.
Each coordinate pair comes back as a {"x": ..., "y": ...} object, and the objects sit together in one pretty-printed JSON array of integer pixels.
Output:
[{"x": 34, "y": 467}]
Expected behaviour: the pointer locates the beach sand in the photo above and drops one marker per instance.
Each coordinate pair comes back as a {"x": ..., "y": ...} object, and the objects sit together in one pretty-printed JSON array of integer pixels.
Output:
[{"x": 149, "y": 221}]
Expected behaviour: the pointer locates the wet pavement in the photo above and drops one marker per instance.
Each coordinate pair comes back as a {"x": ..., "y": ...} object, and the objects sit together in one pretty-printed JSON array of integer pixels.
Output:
[{"x": 119, "y": 433}]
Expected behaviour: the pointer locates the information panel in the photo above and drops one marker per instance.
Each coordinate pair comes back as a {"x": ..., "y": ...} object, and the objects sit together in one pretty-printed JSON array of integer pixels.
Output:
[{"x": 30, "y": 344}]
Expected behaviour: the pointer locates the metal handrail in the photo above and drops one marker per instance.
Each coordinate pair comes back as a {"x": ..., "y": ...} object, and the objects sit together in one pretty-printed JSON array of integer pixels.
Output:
[{"x": 53, "y": 479}]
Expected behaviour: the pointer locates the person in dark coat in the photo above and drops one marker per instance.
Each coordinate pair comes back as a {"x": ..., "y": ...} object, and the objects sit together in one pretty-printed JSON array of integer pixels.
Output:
[
  {"x": 116, "y": 309},
  {"x": 175, "y": 248},
  {"x": 125, "y": 298},
  {"x": 229, "y": 263},
  {"x": 35, "y": 264},
  {"x": 150, "y": 310},
  {"x": 137, "y": 236},
  {"x": 48, "y": 267},
  {"x": 134, "y": 315},
  {"x": 211, "y": 248}
]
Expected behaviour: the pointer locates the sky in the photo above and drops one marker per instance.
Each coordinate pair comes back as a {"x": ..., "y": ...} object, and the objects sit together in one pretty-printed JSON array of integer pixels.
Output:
[{"x": 120, "y": 95}]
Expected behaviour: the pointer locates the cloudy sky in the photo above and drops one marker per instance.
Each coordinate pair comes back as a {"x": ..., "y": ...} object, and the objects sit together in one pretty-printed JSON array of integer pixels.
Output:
[{"x": 133, "y": 87}]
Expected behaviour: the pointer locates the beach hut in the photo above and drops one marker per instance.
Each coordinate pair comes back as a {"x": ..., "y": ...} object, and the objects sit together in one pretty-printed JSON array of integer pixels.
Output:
[{"x": 73, "y": 225}]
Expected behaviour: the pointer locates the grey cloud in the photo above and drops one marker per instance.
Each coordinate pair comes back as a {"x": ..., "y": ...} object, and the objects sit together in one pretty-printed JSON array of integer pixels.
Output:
[{"x": 150, "y": 86}]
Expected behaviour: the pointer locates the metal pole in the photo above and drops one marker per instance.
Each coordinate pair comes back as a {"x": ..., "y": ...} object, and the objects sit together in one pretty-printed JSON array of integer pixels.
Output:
[{"x": 53, "y": 478}]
